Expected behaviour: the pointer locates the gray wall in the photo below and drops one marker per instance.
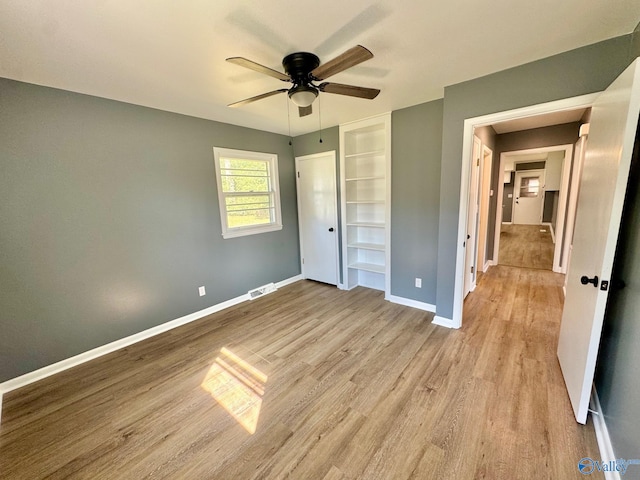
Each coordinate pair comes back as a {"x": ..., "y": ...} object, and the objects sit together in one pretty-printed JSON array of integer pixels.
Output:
[
  {"x": 550, "y": 210},
  {"x": 415, "y": 193},
  {"x": 109, "y": 222},
  {"x": 619, "y": 357},
  {"x": 310, "y": 143},
  {"x": 523, "y": 140},
  {"x": 585, "y": 70},
  {"x": 488, "y": 137}
]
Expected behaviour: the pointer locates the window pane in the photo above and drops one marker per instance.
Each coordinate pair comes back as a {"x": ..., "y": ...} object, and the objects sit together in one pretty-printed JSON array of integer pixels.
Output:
[
  {"x": 250, "y": 217},
  {"x": 245, "y": 184},
  {"x": 247, "y": 203},
  {"x": 529, "y": 186}
]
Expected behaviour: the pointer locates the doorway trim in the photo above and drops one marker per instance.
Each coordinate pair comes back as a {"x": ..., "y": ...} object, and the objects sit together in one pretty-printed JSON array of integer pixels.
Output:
[
  {"x": 298, "y": 160},
  {"x": 582, "y": 101},
  {"x": 486, "y": 169}
]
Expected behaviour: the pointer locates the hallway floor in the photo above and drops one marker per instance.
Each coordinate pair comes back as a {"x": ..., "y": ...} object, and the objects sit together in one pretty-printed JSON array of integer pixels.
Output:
[{"x": 529, "y": 246}]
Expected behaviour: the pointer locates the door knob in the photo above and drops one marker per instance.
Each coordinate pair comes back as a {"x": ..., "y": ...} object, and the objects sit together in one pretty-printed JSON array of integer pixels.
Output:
[
  {"x": 586, "y": 280},
  {"x": 331, "y": 229}
]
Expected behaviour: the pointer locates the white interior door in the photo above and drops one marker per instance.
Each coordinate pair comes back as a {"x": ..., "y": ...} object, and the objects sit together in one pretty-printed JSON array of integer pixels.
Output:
[
  {"x": 528, "y": 197},
  {"x": 318, "y": 216},
  {"x": 472, "y": 220},
  {"x": 614, "y": 123}
]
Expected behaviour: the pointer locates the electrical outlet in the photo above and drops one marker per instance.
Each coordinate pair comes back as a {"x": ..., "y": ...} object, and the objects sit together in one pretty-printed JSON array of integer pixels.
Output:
[
  {"x": 418, "y": 282},
  {"x": 202, "y": 291}
]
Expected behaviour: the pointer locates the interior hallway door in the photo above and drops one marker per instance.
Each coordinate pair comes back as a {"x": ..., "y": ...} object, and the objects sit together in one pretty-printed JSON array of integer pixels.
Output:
[
  {"x": 318, "y": 216},
  {"x": 612, "y": 135}
]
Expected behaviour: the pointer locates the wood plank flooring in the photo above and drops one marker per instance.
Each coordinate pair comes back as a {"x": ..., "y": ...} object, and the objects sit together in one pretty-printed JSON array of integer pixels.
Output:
[
  {"x": 334, "y": 385},
  {"x": 526, "y": 246}
]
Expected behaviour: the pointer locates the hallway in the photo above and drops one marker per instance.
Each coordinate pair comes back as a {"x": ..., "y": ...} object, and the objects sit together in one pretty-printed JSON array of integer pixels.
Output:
[{"x": 529, "y": 246}]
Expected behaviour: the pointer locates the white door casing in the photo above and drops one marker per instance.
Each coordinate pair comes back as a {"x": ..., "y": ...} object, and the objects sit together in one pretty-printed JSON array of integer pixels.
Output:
[
  {"x": 605, "y": 174},
  {"x": 527, "y": 210},
  {"x": 472, "y": 220},
  {"x": 318, "y": 216},
  {"x": 486, "y": 164}
]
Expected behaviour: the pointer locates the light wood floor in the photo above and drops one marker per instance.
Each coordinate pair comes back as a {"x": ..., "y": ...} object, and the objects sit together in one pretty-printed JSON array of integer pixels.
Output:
[
  {"x": 526, "y": 246},
  {"x": 336, "y": 385}
]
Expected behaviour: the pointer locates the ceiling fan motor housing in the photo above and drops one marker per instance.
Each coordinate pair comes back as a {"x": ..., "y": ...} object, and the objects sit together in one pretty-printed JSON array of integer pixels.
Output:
[{"x": 299, "y": 65}]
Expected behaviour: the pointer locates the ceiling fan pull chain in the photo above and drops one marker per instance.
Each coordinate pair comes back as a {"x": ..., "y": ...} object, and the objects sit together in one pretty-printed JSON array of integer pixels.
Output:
[
  {"x": 286, "y": 99},
  {"x": 320, "y": 118}
]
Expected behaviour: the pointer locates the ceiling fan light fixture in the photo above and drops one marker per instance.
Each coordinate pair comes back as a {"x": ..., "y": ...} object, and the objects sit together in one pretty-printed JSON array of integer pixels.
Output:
[{"x": 303, "y": 95}]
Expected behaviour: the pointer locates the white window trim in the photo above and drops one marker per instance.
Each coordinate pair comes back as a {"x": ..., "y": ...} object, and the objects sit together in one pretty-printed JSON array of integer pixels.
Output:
[{"x": 272, "y": 158}]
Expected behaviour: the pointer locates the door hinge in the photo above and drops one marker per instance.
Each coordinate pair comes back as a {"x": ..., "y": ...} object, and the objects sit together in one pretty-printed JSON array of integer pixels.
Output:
[
  {"x": 298, "y": 174},
  {"x": 303, "y": 261},
  {"x": 472, "y": 268},
  {"x": 477, "y": 162}
]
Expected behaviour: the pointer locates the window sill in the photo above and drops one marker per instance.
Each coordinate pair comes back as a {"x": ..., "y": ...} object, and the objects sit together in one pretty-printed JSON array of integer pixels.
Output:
[{"x": 251, "y": 231}]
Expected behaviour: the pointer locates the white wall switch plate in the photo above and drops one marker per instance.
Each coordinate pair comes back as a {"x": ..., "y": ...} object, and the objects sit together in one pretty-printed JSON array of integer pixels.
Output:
[
  {"x": 202, "y": 291},
  {"x": 418, "y": 283}
]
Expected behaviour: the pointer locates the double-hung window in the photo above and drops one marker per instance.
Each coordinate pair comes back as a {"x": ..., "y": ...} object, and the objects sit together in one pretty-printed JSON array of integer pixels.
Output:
[{"x": 248, "y": 192}]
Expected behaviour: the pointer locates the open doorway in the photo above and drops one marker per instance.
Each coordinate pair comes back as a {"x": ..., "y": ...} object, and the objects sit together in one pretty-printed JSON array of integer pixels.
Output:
[
  {"x": 553, "y": 113},
  {"x": 612, "y": 147}
]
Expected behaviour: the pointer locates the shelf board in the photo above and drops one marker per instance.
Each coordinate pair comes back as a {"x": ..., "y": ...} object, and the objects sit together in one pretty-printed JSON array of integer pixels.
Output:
[
  {"x": 370, "y": 153},
  {"x": 367, "y": 246},
  {"x": 358, "y": 179},
  {"x": 366, "y": 224},
  {"x": 369, "y": 267},
  {"x": 375, "y": 202}
]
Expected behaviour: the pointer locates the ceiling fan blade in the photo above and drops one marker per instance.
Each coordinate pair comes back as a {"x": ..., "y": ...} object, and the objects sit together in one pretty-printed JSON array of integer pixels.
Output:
[
  {"x": 350, "y": 90},
  {"x": 304, "y": 111},
  {"x": 243, "y": 62},
  {"x": 257, "y": 97},
  {"x": 348, "y": 59}
]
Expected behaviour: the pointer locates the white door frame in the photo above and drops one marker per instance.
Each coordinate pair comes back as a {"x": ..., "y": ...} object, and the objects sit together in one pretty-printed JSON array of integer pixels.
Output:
[
  {"x": 486, "y": 168},
  {"x": 583, "y": 101},
  {"x": 473, "y": 224},
  {"x": 302, "y": 158},
  {"x": 562, "y": 202}
]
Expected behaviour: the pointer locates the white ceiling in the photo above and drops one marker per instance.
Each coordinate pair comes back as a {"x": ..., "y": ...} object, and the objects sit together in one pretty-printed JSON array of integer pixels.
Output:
[{"x": 171, "y": 55}]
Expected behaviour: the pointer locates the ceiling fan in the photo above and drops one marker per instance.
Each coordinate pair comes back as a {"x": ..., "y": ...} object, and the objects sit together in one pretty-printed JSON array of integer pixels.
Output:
[{"x": 303, "y": 69}]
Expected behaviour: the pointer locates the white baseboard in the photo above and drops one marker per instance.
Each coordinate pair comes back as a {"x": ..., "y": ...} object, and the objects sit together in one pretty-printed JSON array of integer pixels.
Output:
[
  {"x": 602, "y": 435},
  {"x": 507, "y": 223},
  {"x": 288, "y": 281},
  {"x": 67, "y": 363},
  {"x": 553, "y": 234},
  {"x": 443, "y": 322},
  {"x": 407, "y": 302},
  {"x": 486, "y": 265}
]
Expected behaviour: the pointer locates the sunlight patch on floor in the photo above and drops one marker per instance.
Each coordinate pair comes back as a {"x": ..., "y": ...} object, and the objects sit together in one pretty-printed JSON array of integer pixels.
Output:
[{"x": 238, "y": 387}]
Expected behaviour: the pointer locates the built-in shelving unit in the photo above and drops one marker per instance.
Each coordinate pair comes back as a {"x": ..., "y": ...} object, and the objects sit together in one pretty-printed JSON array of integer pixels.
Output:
[{"x": 365, "y": 160}]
